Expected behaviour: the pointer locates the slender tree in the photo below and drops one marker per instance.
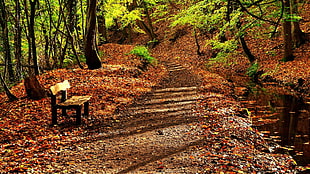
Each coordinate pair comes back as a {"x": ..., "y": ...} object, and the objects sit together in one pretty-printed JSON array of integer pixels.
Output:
[
  {"x": 32, "y": 36},
  {"x": 6, "y": 41},
  {"x": 102, "y": 29},
  {"x": 70, "y": 26},
  {"x": 91, "y": 54},
  {"x": 287, "y": 32},
  {"x": 298, "y": 34},
  {"x": 18, "y": 39}
]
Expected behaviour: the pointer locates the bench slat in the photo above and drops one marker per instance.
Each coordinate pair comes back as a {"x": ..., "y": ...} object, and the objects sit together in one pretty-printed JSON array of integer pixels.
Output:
[{"x": 75, "y": 101}]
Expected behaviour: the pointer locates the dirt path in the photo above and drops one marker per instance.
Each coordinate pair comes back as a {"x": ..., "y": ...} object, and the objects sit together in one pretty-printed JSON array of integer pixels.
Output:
[
  {"x": 184, "y": 125},
  {"x": 161, "y": 126}
]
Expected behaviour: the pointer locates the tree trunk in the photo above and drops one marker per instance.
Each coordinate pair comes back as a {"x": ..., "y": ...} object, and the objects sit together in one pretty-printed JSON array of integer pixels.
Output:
[
  {"x": 147, "y": 27},
  {"x": 18, "y": 40},
  {"x": 287, "y": 33},
  {"x": 32, "y": 36},
  {"x": 246, "y": 50},
  {"x": 197, "y": 43},
  {"x": 46, "y": 49},
  {"x": 70, "y": 26},
  {"x": 244, "y": 45},
  {"x": 149, "y": 21},
  {"x": 34, "y": 89},
  {"x": 6, "y": 41},
  {"x": 91, "y": 54},
  {"x": 298, "y": 35},
  {"x": 102, "y": 29},
  {"x": 7, "y": 90}
]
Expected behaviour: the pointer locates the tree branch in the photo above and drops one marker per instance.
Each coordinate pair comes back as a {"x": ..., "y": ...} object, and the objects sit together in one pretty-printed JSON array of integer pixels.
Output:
[{"x": 253, "y": 15}]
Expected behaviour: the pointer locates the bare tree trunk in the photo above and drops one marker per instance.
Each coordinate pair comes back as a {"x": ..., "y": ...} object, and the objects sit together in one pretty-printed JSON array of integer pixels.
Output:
[
  {"x": 18, "y": 40},
  {"x": 197, "y": 43},
  {"x": 102, "y": 29},
  {"x": 287, "y": 32},
  {"x": 26, "y": 9},
  {"x": 149, "y": 22},
  {"x": 70, "y": 26},
  {"x": 298, "y": 35},
  {"x": 7, "y": 90},
  {"x": 244, "y": 45},
  {"x": 46, "y": 49},
  {"x": 32, "y": 35},
  {"x": 6, "y": 42},
  {"x": 147, "y": 27},
  {"x": 91, "y": 54}
]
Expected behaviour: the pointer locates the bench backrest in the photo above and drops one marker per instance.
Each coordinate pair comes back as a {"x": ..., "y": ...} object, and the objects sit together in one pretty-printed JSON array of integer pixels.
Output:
[
  {"x": 59, "y": 87},
  {"x": 63, "y": 86}
]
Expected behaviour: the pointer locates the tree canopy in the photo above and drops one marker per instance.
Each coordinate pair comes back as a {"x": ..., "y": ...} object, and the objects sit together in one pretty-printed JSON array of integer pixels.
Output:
[{"x": 39, "y": 35}]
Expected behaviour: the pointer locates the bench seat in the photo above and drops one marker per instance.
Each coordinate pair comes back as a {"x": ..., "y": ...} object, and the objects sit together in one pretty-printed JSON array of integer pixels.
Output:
[{"x": 75, "y": 101}]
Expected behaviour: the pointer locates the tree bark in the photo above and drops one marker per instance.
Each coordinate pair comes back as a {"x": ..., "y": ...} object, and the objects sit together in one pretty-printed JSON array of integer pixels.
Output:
[
  {"x": 7, "y": 90},
  {"x": 245, "y": 47},
  {"x": 197, "y": 43},
  {"x": 149, "y": 21},
  {"x": 287, "y": 32},
  {"x": 70, "y": 26},
  {"x": 298, "y": 35},
  {"x": 34, "y": 89},
  {"x": 102, "y": 29},
  {"x": 18, "y": 40},
  {"x": 91, "y": 54},
  {"x": 246, "y": 50},
  {"x": 6, "y": 41},
  {"x": 32, "y": 35}
]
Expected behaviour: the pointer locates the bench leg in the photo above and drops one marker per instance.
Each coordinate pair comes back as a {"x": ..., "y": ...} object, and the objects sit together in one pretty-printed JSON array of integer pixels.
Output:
[
  {"x": 64, "y": 112},
  {"x": 78, "y": 115},
  {"x": 86, "y": 109},
  {"x": 54, "y": 115}
]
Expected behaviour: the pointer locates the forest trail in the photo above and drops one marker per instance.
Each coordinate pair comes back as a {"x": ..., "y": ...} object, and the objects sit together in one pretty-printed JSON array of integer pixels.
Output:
[{"x": 160, "y": 126}]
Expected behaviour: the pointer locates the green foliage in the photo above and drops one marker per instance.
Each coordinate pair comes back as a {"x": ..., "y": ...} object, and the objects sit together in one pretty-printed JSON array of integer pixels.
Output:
[
  {"x": 292, "y": 17},
  {"x": 143, "y": 52},
  {"x": 221, "y": 59},
  {"x": 252, "y": 70},
  {"x": 117, "y": 10},
  {"x": 227, "y": 46}
]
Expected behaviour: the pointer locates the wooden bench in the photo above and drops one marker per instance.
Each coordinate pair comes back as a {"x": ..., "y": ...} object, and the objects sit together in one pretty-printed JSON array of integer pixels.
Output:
[{"x": 75, "y": 102}]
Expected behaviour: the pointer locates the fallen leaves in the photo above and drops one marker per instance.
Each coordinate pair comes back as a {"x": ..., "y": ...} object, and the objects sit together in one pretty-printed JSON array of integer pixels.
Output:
[{"x": 27, "y": 141}]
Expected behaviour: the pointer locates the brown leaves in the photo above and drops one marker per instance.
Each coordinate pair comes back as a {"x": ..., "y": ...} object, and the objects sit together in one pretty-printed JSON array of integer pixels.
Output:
[{"x": 28, "y": 142}]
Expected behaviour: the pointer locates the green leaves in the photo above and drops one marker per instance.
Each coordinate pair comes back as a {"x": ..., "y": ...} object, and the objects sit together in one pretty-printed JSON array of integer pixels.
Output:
[
  {"x": 252, "y": 70},
  {"x": 143, "y": 52}
]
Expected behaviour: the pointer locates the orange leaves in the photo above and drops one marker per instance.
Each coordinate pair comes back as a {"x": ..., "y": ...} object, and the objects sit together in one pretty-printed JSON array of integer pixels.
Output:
[{"x": 27, "y": 141}]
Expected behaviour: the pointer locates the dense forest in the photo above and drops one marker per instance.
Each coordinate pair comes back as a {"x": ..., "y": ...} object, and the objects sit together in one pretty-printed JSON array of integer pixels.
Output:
[{"x": 43, "y": 35}]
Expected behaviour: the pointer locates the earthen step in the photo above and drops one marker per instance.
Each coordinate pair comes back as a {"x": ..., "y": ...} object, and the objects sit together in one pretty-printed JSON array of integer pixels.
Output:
[
  {"x": 143, "y": 107},
  {"x": 169, "y": 100},
  {"x": 162, "y": 110},
  {"x": 190, "y": 88}
]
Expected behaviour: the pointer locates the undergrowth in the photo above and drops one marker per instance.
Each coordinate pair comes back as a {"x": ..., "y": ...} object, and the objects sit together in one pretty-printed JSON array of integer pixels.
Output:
[{"x": 144, "y": 53}]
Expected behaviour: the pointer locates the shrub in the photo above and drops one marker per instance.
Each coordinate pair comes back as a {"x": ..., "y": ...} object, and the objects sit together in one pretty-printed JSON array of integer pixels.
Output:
[
  {"x": 143, "y": 52},
  {"x": 252, "y": 70}
]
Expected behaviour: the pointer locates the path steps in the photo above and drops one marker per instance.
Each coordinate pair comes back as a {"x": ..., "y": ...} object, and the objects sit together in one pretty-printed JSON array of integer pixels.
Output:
[
  {"x": 172, "y": 100},
  {"x": 156, "y": 127}
]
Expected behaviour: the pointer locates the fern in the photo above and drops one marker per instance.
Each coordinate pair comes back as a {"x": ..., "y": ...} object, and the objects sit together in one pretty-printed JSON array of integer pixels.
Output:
[
  {"x": 252, "y": 70},
  {"x": 143, "y": 52}
]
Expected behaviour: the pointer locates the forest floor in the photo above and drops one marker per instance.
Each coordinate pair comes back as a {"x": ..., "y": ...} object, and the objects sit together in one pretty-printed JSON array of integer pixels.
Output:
[{"x": 183, "y": 122}]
